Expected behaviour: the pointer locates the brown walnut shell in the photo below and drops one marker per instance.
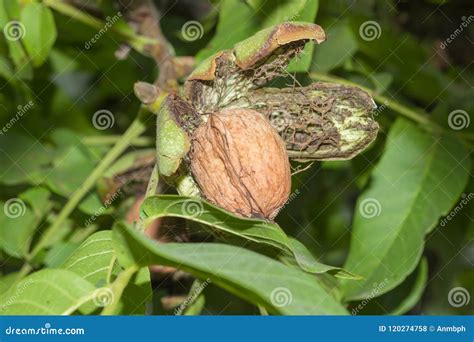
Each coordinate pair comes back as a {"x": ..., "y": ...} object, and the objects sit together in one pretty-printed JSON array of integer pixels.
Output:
[{"x": 240, "y": 163}]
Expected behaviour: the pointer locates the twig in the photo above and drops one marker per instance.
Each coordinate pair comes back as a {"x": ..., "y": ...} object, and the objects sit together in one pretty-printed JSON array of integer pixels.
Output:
[
  {"x": 117, "y": 287},
  {"x": 137, "y": 127},
  {"x": 138, "y": 42},
  {"x": 146, "y": 17},
  {"x": 112, "y": 139},
  {"x": 150, "y": 191}
]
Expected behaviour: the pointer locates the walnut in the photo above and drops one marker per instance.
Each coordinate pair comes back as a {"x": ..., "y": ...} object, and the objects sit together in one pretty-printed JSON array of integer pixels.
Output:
[{"x": 240, "y": 163}]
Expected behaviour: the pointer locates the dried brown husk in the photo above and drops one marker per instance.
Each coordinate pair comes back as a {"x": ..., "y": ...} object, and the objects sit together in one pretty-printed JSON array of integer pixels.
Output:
[{"x": 322, "y": 121}]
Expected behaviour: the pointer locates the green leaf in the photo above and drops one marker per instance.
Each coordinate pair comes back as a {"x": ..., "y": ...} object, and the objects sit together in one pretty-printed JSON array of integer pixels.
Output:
[
  {"x": 237, "y": 21},
  {"x": 216, "y": 218},
  {"x": 305, "y": 259},
  {"x": 244, "y": 273},
  {"x": 416, "y": 292},
  {"x": 137, "y": 294},
  {"x": 59, "y": 253},
  {"x": 40, "y": 31},
  {"x": 194, "y": 303},
  {"x": 5, "y": 69},
  {"x": 339, "y": 47},
  {"x": 290, "y": 10},
  {"x": 11, "y": 27},
  {"x": 11, "y": 9},
  {"x": 71, "y": 166},
  {"x": 19, "y": 218},
  {"x": 418, "y": 179},
  {"x": 7, "y": 280},
  {"x": 23, "y": 161},
  {"x": 224, "y": 225},
  {"x": 47, "y": 292},
  {"x": 254, "y": 16},
  {"x": 303, "y": 61},
  {"x": 417, "y": 78},
  {"x": 94, "y": 259},
  {"x": 195, "y": 309},
  {"x": 129, "y": 162}
]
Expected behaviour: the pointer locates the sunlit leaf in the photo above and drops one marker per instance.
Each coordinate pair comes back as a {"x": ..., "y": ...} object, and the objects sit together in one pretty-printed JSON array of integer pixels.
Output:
[
  {"x": 47, "y": 292},
  {"x": 40, "y": 31},
  {"x": 257, "y": 278},
  {"x": 419, "y": 178},
  {"x": 20, "y": 217},
  {"x": 416, "y": 292},
  {"x": 94, "y": 259},
  {"x": 225, "y": 225}
]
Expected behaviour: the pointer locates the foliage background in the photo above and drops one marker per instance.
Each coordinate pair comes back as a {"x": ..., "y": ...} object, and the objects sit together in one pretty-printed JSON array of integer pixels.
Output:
[{"x": 52, "y": 84}]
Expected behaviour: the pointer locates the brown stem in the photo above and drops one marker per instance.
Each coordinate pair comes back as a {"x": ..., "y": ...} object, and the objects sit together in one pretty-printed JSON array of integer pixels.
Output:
[{"x": 145, "y": 17}]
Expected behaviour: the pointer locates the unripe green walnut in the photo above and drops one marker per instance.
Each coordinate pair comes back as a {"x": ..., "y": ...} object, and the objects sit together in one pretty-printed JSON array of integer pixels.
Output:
[{"x": 240, "y": 163}]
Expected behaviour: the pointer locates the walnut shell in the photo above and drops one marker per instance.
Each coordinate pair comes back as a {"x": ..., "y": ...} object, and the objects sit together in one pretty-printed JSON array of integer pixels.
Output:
[{"x": 240, "y": 163}]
